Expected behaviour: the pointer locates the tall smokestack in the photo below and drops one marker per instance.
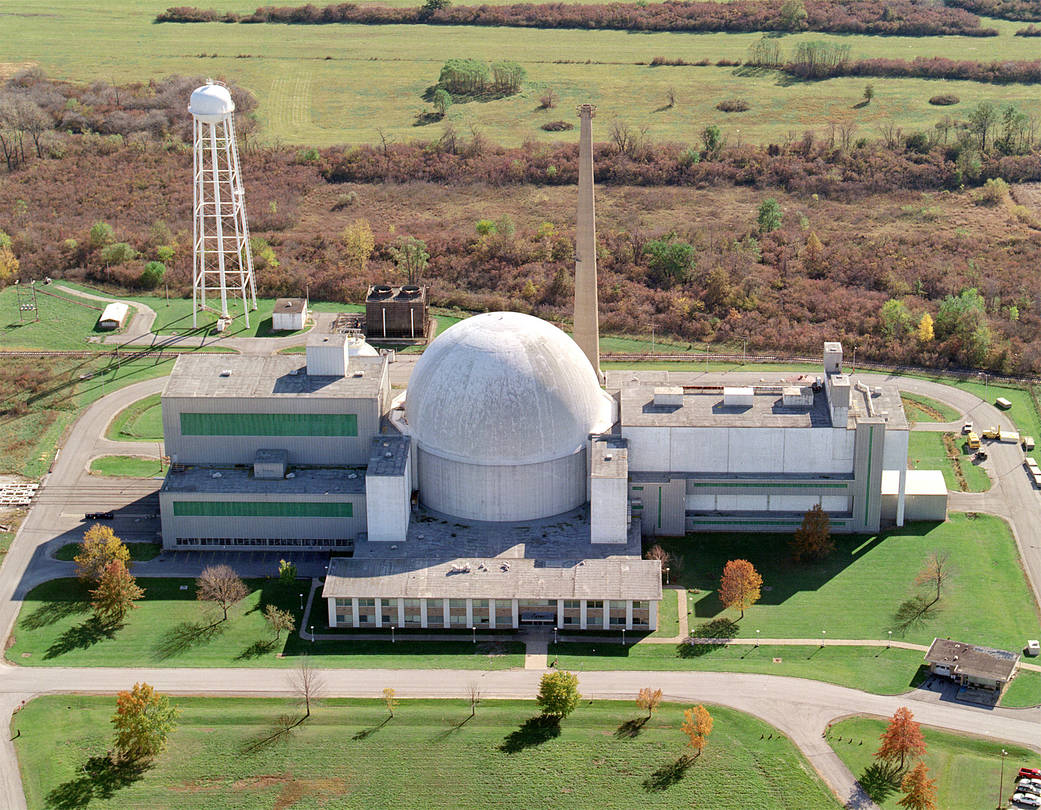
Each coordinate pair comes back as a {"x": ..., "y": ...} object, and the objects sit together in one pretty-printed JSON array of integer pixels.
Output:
[{"x": 587, "y": 328}]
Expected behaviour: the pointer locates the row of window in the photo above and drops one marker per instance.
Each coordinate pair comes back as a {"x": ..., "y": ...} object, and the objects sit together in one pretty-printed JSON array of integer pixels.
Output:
[{"x": 307, "y": 542}]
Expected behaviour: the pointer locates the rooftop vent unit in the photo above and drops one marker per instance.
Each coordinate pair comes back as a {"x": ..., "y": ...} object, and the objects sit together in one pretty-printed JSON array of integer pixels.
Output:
[
  {"x": 738, "y": 396},
  {"x": 382, "y": 289},
  {"x": 225, "y": 372},
  {"x": 668, "y": 396},
  {"x": 794, "y": 396},
  {"x": 409, "y": 291}
]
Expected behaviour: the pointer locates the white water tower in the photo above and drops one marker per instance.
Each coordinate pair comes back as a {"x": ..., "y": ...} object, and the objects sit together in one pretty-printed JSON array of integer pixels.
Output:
[{"x": 222, "y": 261}]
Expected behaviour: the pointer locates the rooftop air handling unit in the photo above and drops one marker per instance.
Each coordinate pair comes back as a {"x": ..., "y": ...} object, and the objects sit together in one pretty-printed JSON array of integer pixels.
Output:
[{"x": 222, "y": 263}]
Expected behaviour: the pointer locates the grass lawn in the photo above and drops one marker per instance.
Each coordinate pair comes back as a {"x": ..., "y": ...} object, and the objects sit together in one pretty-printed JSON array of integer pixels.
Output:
[
  {"x": 928, "y": 451},
  {"x": 350, "y": 754},
  {"x": 44, "y": 399},
  {"x": 967, "y": 769},
  {"x": 171, "y": 628},
  {"x": 857, "y": 592},
  {"x": 880, "y": 670},
  {"x": 1025, "y": 690},
  {"x": 140, "y": 422},
  {"x": 138, "y": 551},
  {"x": 126, "y": 467},
  {"x": 919, "y": 408},
  {"x": 66, "y": 322},
  {"x": 668, "y": 616}
]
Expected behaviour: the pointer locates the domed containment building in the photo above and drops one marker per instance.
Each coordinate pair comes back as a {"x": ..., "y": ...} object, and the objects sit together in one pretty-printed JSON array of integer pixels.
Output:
[{"x": 501, "y": 408}]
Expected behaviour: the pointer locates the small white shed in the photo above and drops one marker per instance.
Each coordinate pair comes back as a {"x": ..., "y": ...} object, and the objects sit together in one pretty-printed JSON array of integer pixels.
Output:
[
  {"x": 114, "y": 316},
  {"x": 289, "y": 314}
]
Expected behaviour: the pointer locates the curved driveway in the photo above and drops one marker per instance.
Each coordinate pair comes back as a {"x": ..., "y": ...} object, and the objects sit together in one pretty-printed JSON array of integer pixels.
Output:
[{"x": 799, "y": 708}]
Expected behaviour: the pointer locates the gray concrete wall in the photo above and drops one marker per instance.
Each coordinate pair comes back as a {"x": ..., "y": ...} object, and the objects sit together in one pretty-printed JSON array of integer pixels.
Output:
[
  {"x": 608, "y": 510},
  {"x": 867, "y": 474},
  {"x": 502, "y": 493},
  {"x": 664, "y": 508},
  {"x": 388, "y": 505}
]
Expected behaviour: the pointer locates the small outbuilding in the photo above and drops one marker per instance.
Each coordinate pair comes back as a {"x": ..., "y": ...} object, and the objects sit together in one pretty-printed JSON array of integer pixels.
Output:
[
  {"x": 114, "y": 317},
  {"x": 925, "y": 495},
  {"x": 971, "y": 666},
  {"x": 289, "y": 314}
]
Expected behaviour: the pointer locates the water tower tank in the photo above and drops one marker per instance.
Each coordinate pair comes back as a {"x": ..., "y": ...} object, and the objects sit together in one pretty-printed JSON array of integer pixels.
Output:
[{"x": 211, "y": 103}]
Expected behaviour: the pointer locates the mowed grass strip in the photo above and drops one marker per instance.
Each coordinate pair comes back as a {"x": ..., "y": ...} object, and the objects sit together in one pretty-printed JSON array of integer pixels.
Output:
[
  {"x": 141, "y": 421},
  {"x": 920, "y": 408},
  {"x": 967, "y": 769},
  {"x": 857, "y": 592},
  {"x": 431, "y": 754},
  {"x": 927, "y": 450},
  {"x": 126, "y": 467},
  {"x": 170, "y": 627}
]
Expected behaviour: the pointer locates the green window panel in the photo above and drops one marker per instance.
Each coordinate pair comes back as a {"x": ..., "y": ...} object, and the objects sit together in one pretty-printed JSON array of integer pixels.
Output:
[
  {"x": 319, "y": 509},
  {"x": 767, "y": 484},
  {"x": 269, "y": 424},
  {"x": 753, "y": 522}
]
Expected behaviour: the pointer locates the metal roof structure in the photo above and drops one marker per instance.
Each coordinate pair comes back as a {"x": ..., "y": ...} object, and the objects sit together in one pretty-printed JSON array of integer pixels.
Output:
[{"x": 971, "y": 660}]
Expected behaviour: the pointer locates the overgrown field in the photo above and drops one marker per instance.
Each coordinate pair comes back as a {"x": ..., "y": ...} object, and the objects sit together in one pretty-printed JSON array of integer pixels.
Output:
[
  {"x": 431, "y": 754},
  {"x": 323, "y": 85}
]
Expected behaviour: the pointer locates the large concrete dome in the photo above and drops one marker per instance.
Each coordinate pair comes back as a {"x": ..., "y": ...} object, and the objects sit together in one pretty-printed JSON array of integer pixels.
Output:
[{"x": 501, "y": 407}]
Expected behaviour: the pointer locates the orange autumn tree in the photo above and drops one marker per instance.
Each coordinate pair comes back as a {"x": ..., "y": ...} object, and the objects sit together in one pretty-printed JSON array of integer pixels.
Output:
[
  {"x": 902, "y": 738},
  {"x": 919, "y": 789},
  {"x": 740, "y": 586},
  {"x": 143, "y": 720},
  {"x": 115, "y": 595},
  {"x": 697, "y": 725}
]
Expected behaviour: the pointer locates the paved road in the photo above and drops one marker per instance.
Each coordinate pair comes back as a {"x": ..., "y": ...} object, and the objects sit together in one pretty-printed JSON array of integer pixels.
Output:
[{"x": 800, "y": 708}]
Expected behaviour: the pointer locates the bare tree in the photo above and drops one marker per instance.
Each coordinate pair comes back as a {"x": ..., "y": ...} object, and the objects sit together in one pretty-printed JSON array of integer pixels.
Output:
[
  {"x": 670, "y": 97},
  {"x": 308, "y": 684},
  {"x": 473, "y": 691},
  {"x": 936, "y": 573},
  {"x": 221, "y": 585}
]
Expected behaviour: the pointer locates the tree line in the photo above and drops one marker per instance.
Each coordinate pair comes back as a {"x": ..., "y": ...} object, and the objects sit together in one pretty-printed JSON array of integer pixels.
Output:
[
  {"x": 1020, "y": 10},
  {"x": 473, "y": 77},
  {"x": 899, "y": 18}
]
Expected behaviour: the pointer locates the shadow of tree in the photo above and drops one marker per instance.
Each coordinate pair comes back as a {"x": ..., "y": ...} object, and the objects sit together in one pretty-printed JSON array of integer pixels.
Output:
[
  {"x": 879, "y": 780},
  {"x": 668, "y": 775},
  {"x": 83, "y": 635},
  {"x": 54, "y": 611},
  {"x": 631, "y": 728},
  {"x": 368, "y": 732},
  {"x": 912, "y": 613},
  {"x": 101, "y": 778},
  {"x": 535, "y": 731},
  {"x": 182, "y": 637},
  {"x": 281, "y": 732},
  {"x": 717, "y": 628},
  {"x": 256, "y": 649}
]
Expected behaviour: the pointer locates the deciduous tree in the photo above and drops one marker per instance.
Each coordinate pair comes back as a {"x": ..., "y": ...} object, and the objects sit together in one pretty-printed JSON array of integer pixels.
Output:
[
  {"x": 8, "y": 266},
  {"x": 919, "y": 790},
  {"x": 100, "y": 547},
  {"x": 770, "y": 216},
  {"x": 558, "y": 694},
  {"x": 813, "y": 540},
  {"x": 410, "y": 255},
  {"x": 115, "y": 594},
  {"x": 222, "y": 586},
  {"x": 358, "y": 244},
  {"x": 697, "y": 725},
  {"x": 740, "y": 586},
  {"x": 902, "y": 738},
  {"x": 308, "y": 684},
  {"x": 936, "y": 573},
  {"x": 390, "y": 700},
  {"x": 649, "y": 699},
  {"x": 143, "y": 721},
  {"x": 279, "y": 620},
  {"x": 286, "y": 572},
  {"x": 925, "y": 329}
]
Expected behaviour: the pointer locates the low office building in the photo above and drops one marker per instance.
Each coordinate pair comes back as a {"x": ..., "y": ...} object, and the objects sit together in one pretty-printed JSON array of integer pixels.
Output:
[
  {"x": 114, "y": 316},
  {"x": 972, "y": 666}
]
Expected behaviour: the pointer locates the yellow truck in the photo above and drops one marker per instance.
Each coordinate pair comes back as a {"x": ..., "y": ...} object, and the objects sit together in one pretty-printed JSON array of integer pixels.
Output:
[
  {"x": 991, "y": 433},
  {"x": 973, "y": 441},
  {"x": 1028, "y": 443}
]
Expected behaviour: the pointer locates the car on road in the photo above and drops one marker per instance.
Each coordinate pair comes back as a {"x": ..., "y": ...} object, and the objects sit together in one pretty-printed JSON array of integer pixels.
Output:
[
  {"x": 1029, "y": 773},
  {"x": 99, "y": 516},
  {"x": 981, "y": 455},
  {"x": 1026, "y": 800},
  {"x": 967, "y": 427},
  {"x": 1033, "y": 648}
]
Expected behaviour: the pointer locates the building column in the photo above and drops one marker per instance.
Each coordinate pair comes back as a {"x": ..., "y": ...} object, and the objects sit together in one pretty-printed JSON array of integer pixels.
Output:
[
  {"x": 354, "y": 611},
  {"x": 652, "y": 615},
  {"x": 628, "y": 614},
  {"x": 423, "y": 613},
  {"x": 401, "y": 611},
  {"x": 469, "y": 613},
  {"x": 560, "y": 613},
  {"x": 332, "y": 611},
  {"x": 379, "y": 612},
  {"x": 582, "y": 621},
  {"x": 491, "y": 614},
  {"x": 446, "y": 612},
  {"x": 606, "y": 615},
  {"x": 516, "y": 614},
  {"x": 900, "y": 494}
]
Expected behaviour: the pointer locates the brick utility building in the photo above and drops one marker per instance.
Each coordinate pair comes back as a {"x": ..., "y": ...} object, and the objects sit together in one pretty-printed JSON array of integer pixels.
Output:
[
  {"x": 972, "y": 666},
  {"x": 396, "y": 313}
]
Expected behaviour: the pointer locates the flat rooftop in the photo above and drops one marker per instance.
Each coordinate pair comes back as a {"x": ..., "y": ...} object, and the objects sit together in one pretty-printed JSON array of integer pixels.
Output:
[
  {"x": 490, "y": 578},
  {"x": 234, "y": 480},
  {"x": 294, "y": 306},
  {"x": 971, "y": 660},
  {"x": 202, "y": 375},
  {"x": 388, "y": 454},
  {"x": 703, "y": 401}
]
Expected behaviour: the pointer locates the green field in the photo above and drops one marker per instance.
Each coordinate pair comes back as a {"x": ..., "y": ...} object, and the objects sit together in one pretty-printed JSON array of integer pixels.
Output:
[
  {"x": 139, "y": 552},
  {"x": 127, "y": 467},
  {"x": 858, "y": 591},
  {"x": 171, "y": 628},
  {"x": 64, "y": 322},
  {"x": 927, "y": 451},
  {"x": 967, "y": 769},
  {"x": 431, "y": 754},
  {"x": 920, "y": 408},
  {"x": 140, "y": 422},
  {"x": 307, "y": 77}
]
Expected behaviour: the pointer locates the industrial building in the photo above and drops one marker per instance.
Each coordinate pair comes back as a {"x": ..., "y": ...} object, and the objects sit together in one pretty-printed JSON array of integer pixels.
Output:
[
  {"x": 512, "y": 482},
  {"x": 395, "y": 314},
  {"x": 289, "y": 314},
  {"x": 114, "y": 316}
]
